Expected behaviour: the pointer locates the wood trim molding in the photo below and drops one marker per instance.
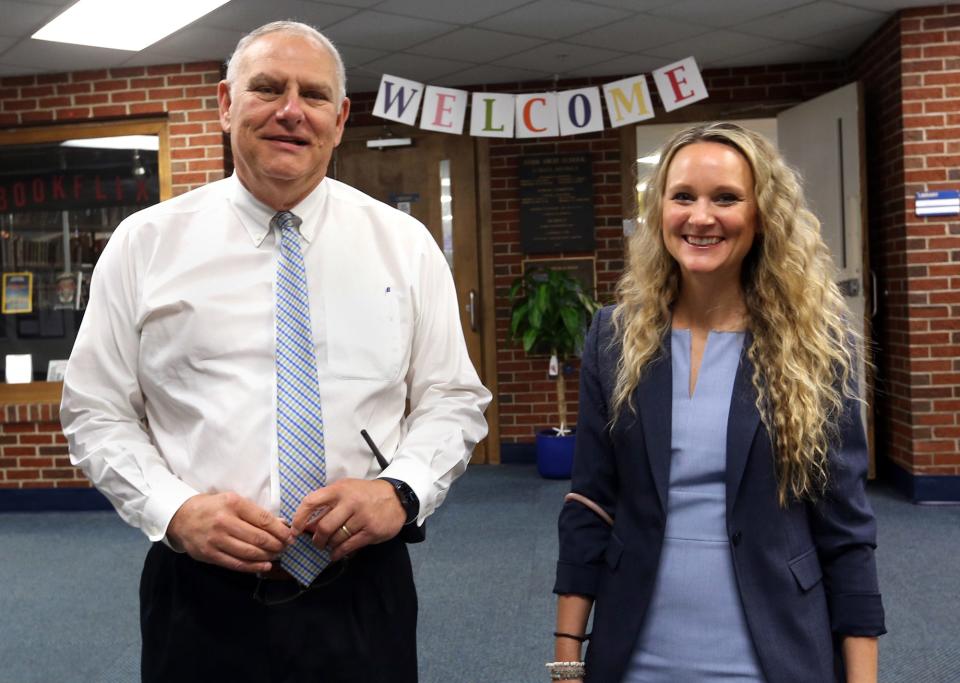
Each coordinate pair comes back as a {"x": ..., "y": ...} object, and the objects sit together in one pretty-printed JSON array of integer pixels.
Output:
[
  {"x": 153, "y": 126},
  {"x": 488, "y": 315}
]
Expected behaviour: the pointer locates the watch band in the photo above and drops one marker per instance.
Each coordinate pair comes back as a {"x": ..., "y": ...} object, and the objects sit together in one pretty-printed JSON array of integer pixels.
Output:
[{"x": 408, "y": 499}]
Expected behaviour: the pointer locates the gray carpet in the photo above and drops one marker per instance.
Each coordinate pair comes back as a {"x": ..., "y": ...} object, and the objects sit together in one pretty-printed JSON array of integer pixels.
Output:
[{"x": 68, "y": 607}]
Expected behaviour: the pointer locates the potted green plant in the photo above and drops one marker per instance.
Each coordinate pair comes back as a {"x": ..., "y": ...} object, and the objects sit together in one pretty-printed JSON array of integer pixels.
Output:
[{"x": 549, "y": 315}]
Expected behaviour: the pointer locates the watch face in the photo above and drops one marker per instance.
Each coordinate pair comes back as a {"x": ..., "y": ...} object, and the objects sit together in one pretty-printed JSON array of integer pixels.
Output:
[{"x": 408, "y": 499}]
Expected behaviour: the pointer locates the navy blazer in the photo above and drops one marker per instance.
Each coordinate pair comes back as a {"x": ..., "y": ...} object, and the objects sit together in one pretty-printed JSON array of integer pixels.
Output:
[{"x": 805, "y": 572}]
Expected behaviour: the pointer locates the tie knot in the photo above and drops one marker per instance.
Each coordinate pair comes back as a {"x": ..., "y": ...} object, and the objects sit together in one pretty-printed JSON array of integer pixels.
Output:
[{"x": 286, "y": 220}]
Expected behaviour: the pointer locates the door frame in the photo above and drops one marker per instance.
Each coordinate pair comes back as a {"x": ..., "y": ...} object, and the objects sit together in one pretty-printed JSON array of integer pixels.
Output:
[{"x": 484, "y": 249}]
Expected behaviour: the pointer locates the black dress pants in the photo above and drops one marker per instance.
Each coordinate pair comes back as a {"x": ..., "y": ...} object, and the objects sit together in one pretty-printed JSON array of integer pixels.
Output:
[{"x": 202, "y": 623}]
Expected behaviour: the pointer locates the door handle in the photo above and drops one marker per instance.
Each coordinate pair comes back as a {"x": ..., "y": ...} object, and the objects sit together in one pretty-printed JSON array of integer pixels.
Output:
[
  {"x": 849, "y": 287},
  {"x": 472, "y": 309}
]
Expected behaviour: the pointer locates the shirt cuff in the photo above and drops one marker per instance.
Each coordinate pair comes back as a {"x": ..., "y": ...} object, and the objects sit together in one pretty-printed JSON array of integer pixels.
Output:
[
  {"x": 166, "y": 497},
  {"x": 417, "y": 477}
]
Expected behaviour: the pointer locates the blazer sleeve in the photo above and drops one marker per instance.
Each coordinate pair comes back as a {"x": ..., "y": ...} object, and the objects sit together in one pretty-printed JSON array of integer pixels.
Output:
[
  {"x": 584, "y": 536},
  {"x": 845, "y": 533}
]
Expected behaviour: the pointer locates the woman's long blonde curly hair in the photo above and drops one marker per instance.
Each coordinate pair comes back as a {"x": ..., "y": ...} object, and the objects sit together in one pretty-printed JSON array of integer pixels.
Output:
[{"x": 801, "y": 346}]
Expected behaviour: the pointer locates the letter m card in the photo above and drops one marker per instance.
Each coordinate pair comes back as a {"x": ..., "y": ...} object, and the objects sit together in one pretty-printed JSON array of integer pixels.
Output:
[{"x": 398, "y": 99}]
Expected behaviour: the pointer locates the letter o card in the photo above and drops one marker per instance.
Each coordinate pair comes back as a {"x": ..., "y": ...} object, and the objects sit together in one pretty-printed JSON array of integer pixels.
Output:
[{"x": 579, "y": 111}]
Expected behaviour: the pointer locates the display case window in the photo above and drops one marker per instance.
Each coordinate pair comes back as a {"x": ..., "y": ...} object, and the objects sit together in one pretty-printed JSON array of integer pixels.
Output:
[{"x": 62, "y": 193}]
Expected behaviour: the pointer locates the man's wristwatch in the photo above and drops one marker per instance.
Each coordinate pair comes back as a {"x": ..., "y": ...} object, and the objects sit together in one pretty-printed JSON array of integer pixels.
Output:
[{"x": 408, "y": 499}]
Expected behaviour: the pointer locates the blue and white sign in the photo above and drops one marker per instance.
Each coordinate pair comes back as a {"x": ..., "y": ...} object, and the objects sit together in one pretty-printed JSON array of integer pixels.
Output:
[{"x": 943, "y": 203}]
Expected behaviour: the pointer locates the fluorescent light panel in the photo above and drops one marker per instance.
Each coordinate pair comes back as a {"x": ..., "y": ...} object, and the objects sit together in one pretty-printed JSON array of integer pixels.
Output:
[
  {"x": 124, "y": 24},
  {"x": 144, "y": 142}
]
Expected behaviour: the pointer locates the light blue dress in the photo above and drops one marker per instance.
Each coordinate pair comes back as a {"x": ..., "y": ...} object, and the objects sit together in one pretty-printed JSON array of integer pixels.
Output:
[{"x": 695, "y": 630}]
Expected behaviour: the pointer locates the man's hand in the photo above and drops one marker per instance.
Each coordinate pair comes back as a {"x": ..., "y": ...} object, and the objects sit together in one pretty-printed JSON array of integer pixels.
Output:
[
  {"x": 228, "y": 530},
  {"x": 369, "y": 510}
]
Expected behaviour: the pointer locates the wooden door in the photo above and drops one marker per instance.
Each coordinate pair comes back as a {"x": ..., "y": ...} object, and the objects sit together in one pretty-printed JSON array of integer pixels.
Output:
[
  {"x": 432, "y": 179},
  {"x": 823, "y": 138}
]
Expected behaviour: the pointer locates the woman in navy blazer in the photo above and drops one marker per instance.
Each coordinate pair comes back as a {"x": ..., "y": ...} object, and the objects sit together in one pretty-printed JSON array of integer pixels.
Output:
[{"x": 725, "y": 244}]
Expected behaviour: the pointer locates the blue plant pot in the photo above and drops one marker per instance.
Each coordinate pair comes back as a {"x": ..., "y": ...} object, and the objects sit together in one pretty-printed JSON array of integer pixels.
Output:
[{"x": 555, "y": 454}]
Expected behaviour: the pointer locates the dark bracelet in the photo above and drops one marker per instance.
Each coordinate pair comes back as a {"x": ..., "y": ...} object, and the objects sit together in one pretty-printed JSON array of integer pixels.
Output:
[{"x": 579, "y": 639}]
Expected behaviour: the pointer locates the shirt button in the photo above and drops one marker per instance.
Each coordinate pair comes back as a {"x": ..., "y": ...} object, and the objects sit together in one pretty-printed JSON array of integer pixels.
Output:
[{"x": 736, "y": 538}]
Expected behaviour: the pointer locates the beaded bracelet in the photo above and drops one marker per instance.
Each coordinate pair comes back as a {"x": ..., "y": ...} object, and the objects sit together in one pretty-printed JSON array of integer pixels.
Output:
[{"x": 565, "y": 671}]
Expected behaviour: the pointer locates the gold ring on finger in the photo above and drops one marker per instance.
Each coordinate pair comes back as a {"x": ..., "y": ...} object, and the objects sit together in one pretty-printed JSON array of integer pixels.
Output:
[{"x": 345, "y": 530}]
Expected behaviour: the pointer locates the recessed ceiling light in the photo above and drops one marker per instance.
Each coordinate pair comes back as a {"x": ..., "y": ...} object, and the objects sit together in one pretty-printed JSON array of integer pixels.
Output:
[{"x": 123, "y": 24}]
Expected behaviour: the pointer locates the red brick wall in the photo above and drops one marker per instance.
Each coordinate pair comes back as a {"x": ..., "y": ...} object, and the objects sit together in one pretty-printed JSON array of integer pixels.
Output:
[
  {"x": 33, "y": 450},
  {"x": 913, "y": 131},
  {"x": 527, "y": 396},
  {"x": 186, "y": 93},
  {"x": 930, "y": 67}
]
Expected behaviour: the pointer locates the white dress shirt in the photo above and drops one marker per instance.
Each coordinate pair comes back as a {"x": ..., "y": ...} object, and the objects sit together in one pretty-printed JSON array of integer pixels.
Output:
[{"x": 171, "y": 387}]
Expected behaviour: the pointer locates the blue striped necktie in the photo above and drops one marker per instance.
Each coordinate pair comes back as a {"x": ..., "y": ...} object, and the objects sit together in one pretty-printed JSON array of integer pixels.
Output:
[{"x": 299, "y": 421}]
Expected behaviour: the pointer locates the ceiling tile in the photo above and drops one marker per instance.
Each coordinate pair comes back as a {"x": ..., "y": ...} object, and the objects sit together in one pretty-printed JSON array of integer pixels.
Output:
[
  {"x": 809, "y": 20},
  {"x": 726, "y": 13},
  {"x": 414, "y": 67},
  {"x": 559, "y": 58},
  {"x": 6, "y": 42},
  {"x": 639, "y": 32},
  {"x": 491, "y": 74},
  {"x": 554, "y": 18},
  {"x": 852, "y": 36},
  {"x": 461, "y": 12},
  {"x": 355, "y": 56},
  {"x": 630, "y": 65},
  {"x": 784, "y": 53},
  {"x": 475, "y": 45},
  {"x": 631, "y": 5},
  {"x": 246, "y": 16},
  {"x": 360, "y": 4},
  {"x": 889, "y": 5},
  {"x": 199, "y": 42},
  {"x": 148, "y": 57},
  {"x": 712, "y": 47},
  {"x": 46, "y": 55},
  {"x": 385, "y": 31},
  {"x": 14, "y": 70},
  {"x": 24, "y": 19},
  {"x": 362, "y": 82}
]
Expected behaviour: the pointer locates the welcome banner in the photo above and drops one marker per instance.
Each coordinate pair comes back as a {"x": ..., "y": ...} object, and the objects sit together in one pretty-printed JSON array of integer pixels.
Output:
[{"x": 536, "y": 115}]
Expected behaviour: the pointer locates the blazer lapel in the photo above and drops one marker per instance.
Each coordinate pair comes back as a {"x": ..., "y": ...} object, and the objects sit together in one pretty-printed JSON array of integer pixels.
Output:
[
  {"x": 654, "y": 398},
  {"x": 742, "y": 425}
]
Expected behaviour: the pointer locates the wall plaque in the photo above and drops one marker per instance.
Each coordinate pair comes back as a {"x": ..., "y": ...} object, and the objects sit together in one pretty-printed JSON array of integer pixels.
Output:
[{"x": 556, "y": 203}]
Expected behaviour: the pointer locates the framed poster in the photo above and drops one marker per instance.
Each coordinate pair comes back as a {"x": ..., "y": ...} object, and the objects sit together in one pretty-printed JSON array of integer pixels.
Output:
[{"x": 17, "y": 293}]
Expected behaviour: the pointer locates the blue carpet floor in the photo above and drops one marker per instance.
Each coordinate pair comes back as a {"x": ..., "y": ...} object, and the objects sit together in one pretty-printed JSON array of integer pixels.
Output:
[{"x": 68, "y": 606}]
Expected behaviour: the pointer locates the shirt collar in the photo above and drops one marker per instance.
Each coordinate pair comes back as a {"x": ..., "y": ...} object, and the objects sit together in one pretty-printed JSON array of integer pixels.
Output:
[{"x": 255, "y": 216}]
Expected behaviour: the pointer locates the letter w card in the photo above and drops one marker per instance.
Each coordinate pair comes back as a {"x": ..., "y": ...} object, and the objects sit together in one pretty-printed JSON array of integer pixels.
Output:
[{"x": 398, "y": 99}]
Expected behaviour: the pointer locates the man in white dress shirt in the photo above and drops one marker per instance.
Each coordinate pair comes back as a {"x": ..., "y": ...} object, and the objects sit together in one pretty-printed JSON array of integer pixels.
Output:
[{"x": 170, "y": 396}]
